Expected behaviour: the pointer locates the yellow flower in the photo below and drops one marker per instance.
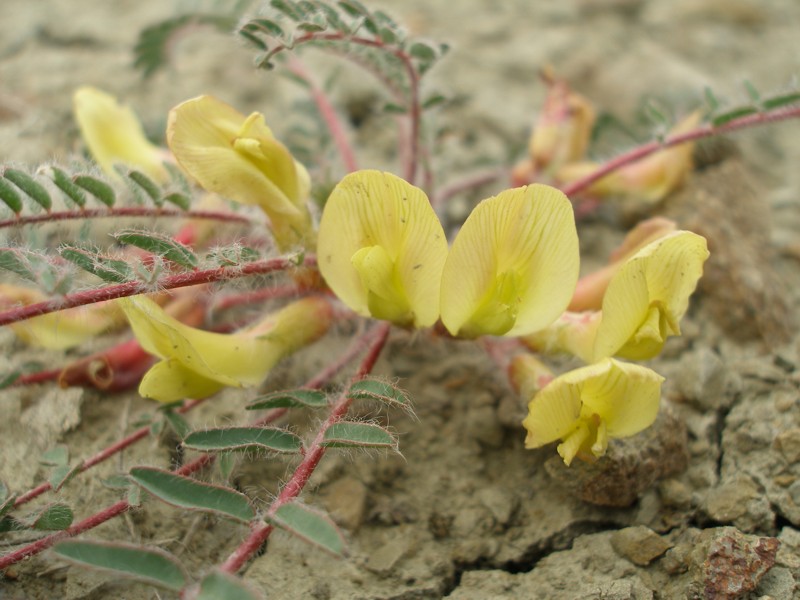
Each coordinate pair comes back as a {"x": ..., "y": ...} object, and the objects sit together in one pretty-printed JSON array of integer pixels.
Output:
[
  {"x": 647, "y": 180},
  {"x": 63, "y": 329},
  {"x": 239, "y": 158},
  {"x": 197, "y": 363},
  {"x": 114, "y": 135},
  {"x": 588, "y": 406},
  {"x": 642, "y": 306},
  {"x": 513, "y": 266},
  {"x": 381, "y": 249}
]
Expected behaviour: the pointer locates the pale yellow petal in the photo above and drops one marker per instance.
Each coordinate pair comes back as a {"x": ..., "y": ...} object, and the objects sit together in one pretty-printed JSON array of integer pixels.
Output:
[
  {"x": 170, "y": 381},
  {"x": 625, "y": 396},
  {"x": 374, "y": 209},
  {"x": 114, "y": 135},
  {"x": 552, "y": 414},
  {"x": 513, "y": 266}
]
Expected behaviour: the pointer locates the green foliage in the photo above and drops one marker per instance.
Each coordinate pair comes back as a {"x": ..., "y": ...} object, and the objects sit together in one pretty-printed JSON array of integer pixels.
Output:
[
  {"x": 290, "y": 399},
  {"x": 310, "y": 525},
  {"x": 55, "y": 516},
  {"x": 347, "y": 434},
  {"x": 219, "y": 585},
  {"x": 158, "y": 244},
  {"x": 190, "y": 494},
  {"x": 374, "y": 389},
  {"x": 32, "y": 188},
  {"x": 244, "y": 438},
  {"x": 147, "y": 565},
  {"x": 106, "y": 268}
]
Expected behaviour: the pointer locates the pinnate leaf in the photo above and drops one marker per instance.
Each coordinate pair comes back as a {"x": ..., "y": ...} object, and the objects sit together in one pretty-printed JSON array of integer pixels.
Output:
[
  {"x": 190, "y": 494},
  {"x": 148, "y": 565}
]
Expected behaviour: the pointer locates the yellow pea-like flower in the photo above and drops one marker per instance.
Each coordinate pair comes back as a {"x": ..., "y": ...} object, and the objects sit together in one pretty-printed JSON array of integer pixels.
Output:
[
  {"x": 63, "y": 329},
  {"x": 197, "y": 363},
  {"x": 513, "y": 266},
  {"x": 586, "y": 407},
  {"x": 643, "y": 305},
  {"x": 381, "y": 248},
  {"x": 239, "y": 158},
  {"x": 114, "y": 135},
  {"x": 647, "y": 180}
]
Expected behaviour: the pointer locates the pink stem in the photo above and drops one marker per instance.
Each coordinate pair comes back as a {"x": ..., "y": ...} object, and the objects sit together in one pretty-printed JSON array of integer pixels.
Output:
[
  {"x": 696, "y": 134},
  {"x": 88, "y": 523},
  {"x": 328, "y": 114},
  {"x": 261, "y": 531},
  {"x": 128, "y": 211},
  {"x": 102, "y": 455},
  {"x": 132, "y": 288}
]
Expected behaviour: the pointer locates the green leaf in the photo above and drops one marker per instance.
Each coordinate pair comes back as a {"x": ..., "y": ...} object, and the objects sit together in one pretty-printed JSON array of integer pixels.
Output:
[
  {"x": 348, "y": 434},
  {"x": 394, "y": 108},
  {"x": 752, "y": 92},
  {"x": 149, "y": 186},
  {"x": 53, "y": 517},
  {"x": 732, "y": 115},
  {"x": 190, "y": 494},
  {"x": 711, "y": 99},
  {"x": 177, "y": 423},
  {"x": 97, "y": 188},
  {"x": 107, "y": 269},
  {"x": 219, "y": 585},
  {"x": 62, "y": 475},
  {"x": 7, "y": 379},
  {"x": 265, "y": 25},
  {"x": 288, "y": 8},
  {"x": 782, "y": 100},
  {"x": 244, "y": 438},
  {"x": 180, "y": 200},
  {"x": 11, "y": 259},
  {"x": 35, "y": 190},
  {"x": 290, "y": 399},
  {"x": 148, "y": 565},
  {"x": 65, "y": 184},
  {"x": 373, "y": 389},
  {"x": 311, "y": 526},
  {"x": 226, "y": 462},
  {"x": 253, "y": 39},
  {"x": 423, "y": 51},
  {"x": 57, "y": 456},
  {"x": 159, "y": 244},
  {"x": 7, "y": 499},
  {"x": 434, "y": 100},
  {"x": 10, "y": 196}
]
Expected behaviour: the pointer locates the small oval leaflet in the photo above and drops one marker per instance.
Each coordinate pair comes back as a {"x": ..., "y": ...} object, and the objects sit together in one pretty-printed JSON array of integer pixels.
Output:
[
  {"x": 65, "y": 184},
  {"x": 10, "y": 196},
  {"x": 188, "y": 493},
  {"x": 158, "y": 244},
  {"x": 309, "y": 525},
  {"x": 35, "y": 190},
  {"x": 290, "y": 399},
  {"x": 97, "y": 188},
  {"x": 219, "y": 584},
  {"x": 347, "y": 434},
  {"x": 243, "y": 438},
  {"x": 148, "y": 565},
  {"x": 374, "y": 389}
]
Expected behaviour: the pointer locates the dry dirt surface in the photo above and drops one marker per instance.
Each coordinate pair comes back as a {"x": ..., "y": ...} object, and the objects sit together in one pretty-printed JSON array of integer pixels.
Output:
[{"x": 705, "y": 504}]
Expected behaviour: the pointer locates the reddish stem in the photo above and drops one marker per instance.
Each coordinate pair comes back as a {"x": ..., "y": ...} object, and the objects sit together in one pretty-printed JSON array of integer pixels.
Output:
[
  {"x": 696, "y": 134},
  {"x": 39, "y": 377},
  {"x": 88, "y": 523},
  {"x": 102, "y": 455},
  {"x": 261, "y": 531},
  {"x": 328, "y": 114},
  {"x": 128, "y": 211},
  {"x": 132, "y": 288}
]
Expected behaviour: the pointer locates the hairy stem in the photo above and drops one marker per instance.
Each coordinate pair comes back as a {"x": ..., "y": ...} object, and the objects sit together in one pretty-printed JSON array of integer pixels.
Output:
[
  {"x": 132, "y": 288},
  {"x": 128, "y": 211},
  {"x": 260, "y": 532},
  {"x": 703, "y": 131}
]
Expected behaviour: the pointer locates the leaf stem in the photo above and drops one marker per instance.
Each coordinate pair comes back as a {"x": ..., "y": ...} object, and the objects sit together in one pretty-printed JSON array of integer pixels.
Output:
[
  {"x": 376, "y": 338},
  {"x": 703, "y": 131},
  {"x": 128, "y": 211},
  {"x": 131, "y": 288}
]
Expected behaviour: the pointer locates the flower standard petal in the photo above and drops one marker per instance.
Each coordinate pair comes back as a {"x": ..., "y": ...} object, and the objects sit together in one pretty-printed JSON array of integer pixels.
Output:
[
  {"x": 381, "y": 248},
  {"x": 238, "y": 157},
  {"x": 646, "y": 300},
  {"x": 588, "y": 406},
  {"x": 513, "y": 266},
  {"x": 114, "y": 135}
]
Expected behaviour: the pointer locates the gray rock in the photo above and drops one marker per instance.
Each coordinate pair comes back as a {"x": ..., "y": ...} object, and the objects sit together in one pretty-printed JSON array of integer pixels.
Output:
[{"x": 640, "y": 545}]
